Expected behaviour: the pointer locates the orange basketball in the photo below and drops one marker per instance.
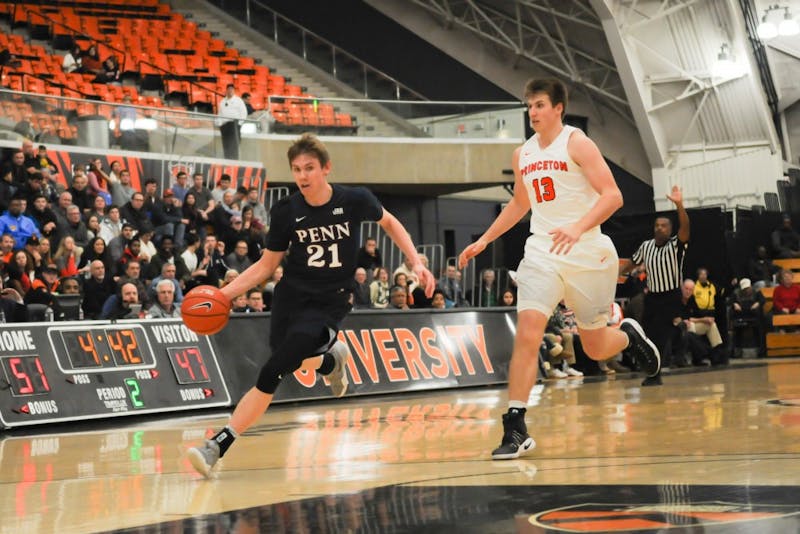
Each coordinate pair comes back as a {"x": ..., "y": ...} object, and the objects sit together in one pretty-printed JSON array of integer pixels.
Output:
[{"x": 205, "y": 310}]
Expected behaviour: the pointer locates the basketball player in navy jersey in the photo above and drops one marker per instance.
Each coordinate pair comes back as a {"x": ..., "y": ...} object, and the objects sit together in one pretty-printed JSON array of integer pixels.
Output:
[
  {"x": 317, "y": 231},
  {"x": 561, "y": 177}
]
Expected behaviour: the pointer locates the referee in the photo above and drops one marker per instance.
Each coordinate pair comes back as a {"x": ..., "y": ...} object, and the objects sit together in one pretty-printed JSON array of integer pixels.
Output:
[{"x": 662, "y": 257}]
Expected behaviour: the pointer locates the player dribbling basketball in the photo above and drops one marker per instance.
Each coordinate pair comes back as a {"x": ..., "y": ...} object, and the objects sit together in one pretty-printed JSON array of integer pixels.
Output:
[{"x": 317, "y": 230}]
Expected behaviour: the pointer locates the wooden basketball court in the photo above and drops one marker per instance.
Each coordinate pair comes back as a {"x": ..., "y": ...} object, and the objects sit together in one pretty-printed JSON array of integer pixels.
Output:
[{"x": 715, "y": 451}]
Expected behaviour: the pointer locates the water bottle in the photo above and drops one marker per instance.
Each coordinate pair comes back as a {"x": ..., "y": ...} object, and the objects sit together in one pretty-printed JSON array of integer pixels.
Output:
[{"x": 48, "y": 314}]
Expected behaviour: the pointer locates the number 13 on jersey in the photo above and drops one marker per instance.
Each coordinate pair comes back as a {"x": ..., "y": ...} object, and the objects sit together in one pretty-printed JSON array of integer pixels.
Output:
[{"x": 543, "y": 189}]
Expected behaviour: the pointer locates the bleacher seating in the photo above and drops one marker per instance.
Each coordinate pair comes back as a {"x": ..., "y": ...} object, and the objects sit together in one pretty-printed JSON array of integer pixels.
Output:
[
  {"x": 159, "y": 50},
  {"x": 783, "y": 343}
]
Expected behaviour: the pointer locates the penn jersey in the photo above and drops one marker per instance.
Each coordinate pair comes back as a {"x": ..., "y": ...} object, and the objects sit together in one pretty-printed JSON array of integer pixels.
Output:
[
  {"x": 559, "y": 192},
  {"x": 322, "y": 242}
]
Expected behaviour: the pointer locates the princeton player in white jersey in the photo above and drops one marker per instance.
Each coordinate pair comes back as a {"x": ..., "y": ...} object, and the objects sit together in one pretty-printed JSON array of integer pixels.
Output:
[{"x": 561, "y": 177}]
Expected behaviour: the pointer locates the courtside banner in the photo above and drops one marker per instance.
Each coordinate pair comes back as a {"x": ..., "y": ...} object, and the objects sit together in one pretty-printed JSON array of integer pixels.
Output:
[{"x": 391, "y": 352}]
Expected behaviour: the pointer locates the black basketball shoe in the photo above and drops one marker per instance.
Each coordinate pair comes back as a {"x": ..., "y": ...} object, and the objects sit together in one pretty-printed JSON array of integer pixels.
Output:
[
  {"x": 516, "y": 440},
  {"x": 642, "y": 350}
]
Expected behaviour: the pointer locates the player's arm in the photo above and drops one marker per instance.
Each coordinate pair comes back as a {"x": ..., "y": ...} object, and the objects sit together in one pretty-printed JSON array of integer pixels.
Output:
[
  {"x": 255, "y": 274},
  {"x": 399, "y": 235},
  {"x": 586, "y": 154},
  {"x": 515, "y": 209}
]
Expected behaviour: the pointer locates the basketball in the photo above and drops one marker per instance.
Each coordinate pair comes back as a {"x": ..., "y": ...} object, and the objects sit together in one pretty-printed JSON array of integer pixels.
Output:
[{"x": 205, "y": 310}]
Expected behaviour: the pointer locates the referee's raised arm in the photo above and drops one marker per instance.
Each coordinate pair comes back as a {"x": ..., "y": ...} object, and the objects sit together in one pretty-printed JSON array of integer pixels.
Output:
[{"x": 683, "y": 218}]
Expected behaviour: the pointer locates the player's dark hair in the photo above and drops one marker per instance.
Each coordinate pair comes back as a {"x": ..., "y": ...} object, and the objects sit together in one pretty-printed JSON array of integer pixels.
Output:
[
  {"x": 552, "y": 87},
  {"x": 309, "y": 144}
]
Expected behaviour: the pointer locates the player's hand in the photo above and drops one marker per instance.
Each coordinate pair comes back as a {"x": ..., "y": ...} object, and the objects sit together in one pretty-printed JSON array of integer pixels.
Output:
[
  {"x": 564, "y": 238},
  {"x": 470, "y": 252},
  {"x": 676, "y": 196},
  {"x": 425, "y": 278}
]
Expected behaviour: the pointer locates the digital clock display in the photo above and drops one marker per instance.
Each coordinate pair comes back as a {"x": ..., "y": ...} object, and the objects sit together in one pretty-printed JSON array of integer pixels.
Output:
[
  {"x": 188, "y": 364},
  {"x": 25, "y": 375},
  {"x": 105, "y": 347}
]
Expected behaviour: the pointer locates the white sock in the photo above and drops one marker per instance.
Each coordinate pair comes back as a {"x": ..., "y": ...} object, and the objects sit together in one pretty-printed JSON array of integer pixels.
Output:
[{"x": 519, "y": 405}]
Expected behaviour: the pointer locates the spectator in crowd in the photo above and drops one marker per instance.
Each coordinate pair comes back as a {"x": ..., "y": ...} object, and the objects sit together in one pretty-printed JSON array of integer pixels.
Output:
[
  {"x": 92, "y": 226},
  {"x": 398, "y": 298},
  {"x": 150, "y": 195},
  {"x": 239, "y": 305},
  {"x": 438, "y": 300},
  {"x": 12, "y": 307},
  {"x": 164, "y": 305},
  {"x": 762, "y": 270},
  {"x": 379, "y": 289},
  {"x": 747, "y": 310},
  {"x": 98, "y": 180},
  {"x": 411, "y": 277},
  {"x": 166, "y": 254},
  {"x": 255, "y": 299},
  {"x": 20, "y": 272},
  {"x": 32, "y": 248},
  {"x": 60, "y": 209},
  {"x": 259, "y": 210},
  {"x": 116, "y": 170},
  {"x": 20, "y": 226},
  {"x": 51, "y": 189},
  {"x": 246, "y": 99},
  {"x": 134, "y": 213},
  {"x": 73, "y": 60},
  {"x": 216, "y": 266},
  {"x": 785, "y": 241},
  {"x": 786, "y": 297},
  {"x": 132, "y": 252},
  {"x": 45, "y": 162},
  {"x": 230, "y": 276},
  {"x": 180, "y": 187},
  {"x": 45, "y": 253},
  {"x": 231, "y": 110},
  {"x": 32, "y": 163},
  {"x": 96, "y": 289},
  {"x": 269, "y": 286},
  {"x": 168, "y": 218},
  {"x": 401, "y": 279},
  {"x": 561, "y": 333},
  {"x": 124, "y": 305},
  {"x": 695, "y": 324},
  {"x": 705, "y": 294},
  {"x": 6, "y": 248},
  {"x": 14, "y": 171},
  {"x": 195, "y": 222},
  {"x": 117, "y": 245},
  {"x": 223, "y": 186},
  {"x": 191, "y": 261},
  {"x": 369, "y": 257},
  {"x": 81, "y": 195},
  {"x": 361, "y": 297},
  {"x": 98, "y": 208},
  {"x": 238, "y": 259},
  {"x": 91, "y": 60},
  {"x": 69, "y": 286},
  {"x": 488, "y": 294},
  {"x": 75, "y": 227},
  {"x": 7, "y": 191},
  {"x": 109, "y": 71},
  {"x": 203, "y": 200},
  {"x": 43, "y": 287},
  {"x": 121, "y": 189},
  {"x": 31, "y": 188},
  {"x": 451, "y": 286},
  {"x": 167, "y": 275},
  {"x": 509, "y": 298},
  {"x": 67, "y": 257},
  {"x": 96, "y": 250},
  {"x": 229, "y": 231},
  {"x": 256, "y": 240},
  {"x": 43, "y": 216}
]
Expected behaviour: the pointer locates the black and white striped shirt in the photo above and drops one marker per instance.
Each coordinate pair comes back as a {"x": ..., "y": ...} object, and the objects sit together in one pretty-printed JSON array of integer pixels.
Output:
[{"x": 664, "y": 264}]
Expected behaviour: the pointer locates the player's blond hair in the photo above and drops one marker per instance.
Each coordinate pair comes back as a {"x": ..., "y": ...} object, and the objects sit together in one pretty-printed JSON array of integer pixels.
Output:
[{"x": 309, "y": 144}]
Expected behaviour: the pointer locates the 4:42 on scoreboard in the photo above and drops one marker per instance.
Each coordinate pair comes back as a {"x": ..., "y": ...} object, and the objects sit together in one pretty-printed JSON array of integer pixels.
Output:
[{"x": 51, "y": 372}]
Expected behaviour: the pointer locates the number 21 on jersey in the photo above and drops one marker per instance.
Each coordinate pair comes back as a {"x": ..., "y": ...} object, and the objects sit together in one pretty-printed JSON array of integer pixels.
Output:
[
  {"x": 316, "y": 253},
  {"x": 543, "y": 189}
]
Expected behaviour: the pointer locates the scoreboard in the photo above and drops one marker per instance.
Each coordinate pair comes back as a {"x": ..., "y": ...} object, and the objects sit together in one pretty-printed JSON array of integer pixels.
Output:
[{"x": 52, "y": 372}]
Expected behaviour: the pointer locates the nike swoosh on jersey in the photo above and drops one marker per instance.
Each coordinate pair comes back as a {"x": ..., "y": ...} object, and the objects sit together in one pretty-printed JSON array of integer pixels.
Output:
[{"x": 298, "y": 219}]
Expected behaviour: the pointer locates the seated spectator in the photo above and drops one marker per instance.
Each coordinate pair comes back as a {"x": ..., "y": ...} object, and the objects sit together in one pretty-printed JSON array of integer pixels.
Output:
[
  {"x": 509, "y": 298},
  {"x": 560, "y": 335},
  {"x": 168, "y": 218},
  {"x": 269, "y": 286},
  {"x": 91, "y": 60},
  {"x": 18, "y": 225},
  {"x": 43, "y": 287},
  {"x": 12, "y": 307},
  {"x": 747, "y": 310},
  {"x": 111, "y": 224},
  {"x": 259, "y": 210},
  {"x": 133, "y": 212},
  {"x": 168, "y": 271},
  {"x": 216, "y": 266},
  {"x": 125, "y": 304},
  {"x": 117, "y": 245},
  {"x": 98, "y": 208},
  {"x": 361, "y": 298},
  {"x": 121, "y": 189},
  {"x": 369, "y": 257},
  {"x": 401, "y": 279},
  {"x": 223, "y": 186},
  {"x": 6, "y": 248},
  {"x": 73, "y": 60},
  {"x": 762, "y": 270},
  {"x": 255, "y": 299},
  {"x": 166, "y": 254},
  {"x": 67, "y": 257},
  {"x": 96, "y": 289},
  {"x": 488, "y": 294},
  {"x": 69, "y": 286},
  {"x": 82, "y": 195},
  {"x": 74, "y": 227},
  {"x": 398, "y": 298},
  {"x": 180, "y": 187},
  {"x": 438, "y": 301},
  {"x": 109, "y": 72},
  {"x": 164, "y": 305},
  {"x": 239, "y": 305},
  {"x": 132, "y": 253},
  {"x": 379, "y": 289},
  {"x": 695, "y": 325},
  {"x": 230, "y": 276},
  {"x": 43, "y": 216},
  {"x": 45, "y": 162},
  {"x": 406, "y": 269},
  {"x": 246, "y": 97},
  {"x": 256, "y": 240},
  {"x": 705, "y": 293},
  {"x": 450, "y": 284},
  {"x": 45, "y": 253},
  {"x": 20, "y": 272},
  {"x": 785, "y": 241},
  {"x": 195, "y": 223},
  {"x": 147, "y": 249},
  {"x": 786, "y": 297},
  {"x": 92, "y": 226},
  {"x": 238, "y": 259},
  {"x": 96, "y": 250}
]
